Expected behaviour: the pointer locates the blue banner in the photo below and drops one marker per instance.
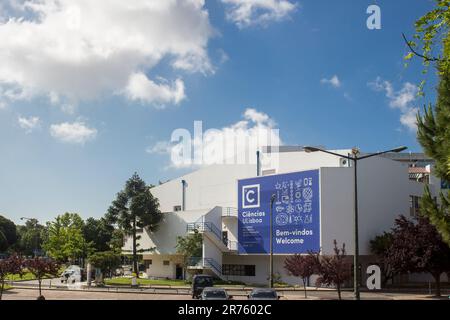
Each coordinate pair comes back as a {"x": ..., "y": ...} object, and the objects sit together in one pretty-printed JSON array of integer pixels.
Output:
[{"x": 296, "y": 213}]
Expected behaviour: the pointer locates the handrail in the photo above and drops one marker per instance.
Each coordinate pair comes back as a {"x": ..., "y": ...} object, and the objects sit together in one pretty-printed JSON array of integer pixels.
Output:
[
  {"x": 213, "y": 264},
  {"x": 205, "y": 262},
  {"x": 229, "y": 212},
  {"x": 211, "y": 227},
  {"x": 205, "y": 226}
]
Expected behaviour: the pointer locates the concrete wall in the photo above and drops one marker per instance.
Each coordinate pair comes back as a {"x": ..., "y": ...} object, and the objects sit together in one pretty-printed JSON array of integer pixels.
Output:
[
  {"x": 302, "y": 161},
  {"x": 164, "y": 239},
  {"x": 158, "y": 270},
  {"x": 206, "y": 188},
  {"x": 261, "y": 263}
]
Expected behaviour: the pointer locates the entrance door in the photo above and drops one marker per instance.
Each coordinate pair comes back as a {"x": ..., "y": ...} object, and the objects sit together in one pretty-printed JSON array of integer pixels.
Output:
[
  {"x": 179, "y": 272},
  {"x": 225, "y": 237}
]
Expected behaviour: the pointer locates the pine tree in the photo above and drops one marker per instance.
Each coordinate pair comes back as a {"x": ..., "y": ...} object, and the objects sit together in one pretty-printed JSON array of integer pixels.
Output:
[
  {"x": 135, "y": 208},
  {"x": 434, "y": 136}
]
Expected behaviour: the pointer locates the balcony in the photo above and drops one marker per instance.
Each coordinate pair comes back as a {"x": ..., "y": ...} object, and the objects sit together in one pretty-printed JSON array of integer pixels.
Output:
[{"x": 229, "y": 212}]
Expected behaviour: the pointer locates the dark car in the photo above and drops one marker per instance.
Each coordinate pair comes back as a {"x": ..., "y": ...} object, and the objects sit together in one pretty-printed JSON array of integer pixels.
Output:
[
  {"x": 215, "y": 294},
  {"x": 263, "y": 294},
  {"x": 200, "y": 282}
]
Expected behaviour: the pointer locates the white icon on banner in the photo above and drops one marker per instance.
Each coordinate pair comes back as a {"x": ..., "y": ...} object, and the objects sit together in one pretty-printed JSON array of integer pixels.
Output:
[
  {"x": 307, "y": 194},
  {"x": 307, "y": 207},
  {"x": 282, "y": 219}
]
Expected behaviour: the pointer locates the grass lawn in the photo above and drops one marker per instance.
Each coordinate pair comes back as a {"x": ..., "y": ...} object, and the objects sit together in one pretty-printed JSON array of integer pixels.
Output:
[
  {"x": 25, "y": 276},
  {"x": 165, "y": 282},
  {"x": 162, "y": 282}
]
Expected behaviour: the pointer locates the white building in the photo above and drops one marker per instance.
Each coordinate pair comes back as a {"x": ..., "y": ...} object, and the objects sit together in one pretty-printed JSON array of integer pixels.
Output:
[{"x": 206, "y": 201}]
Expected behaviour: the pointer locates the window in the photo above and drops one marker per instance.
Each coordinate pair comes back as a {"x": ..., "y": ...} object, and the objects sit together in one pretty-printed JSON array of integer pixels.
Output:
[
  {"x": 176, "y": 208},
  {"x": 414, "y": 206},
  {"x": 166, "y": 262},
  {"x": 238, "y": 270},
  {"x": 147, "y": 263}
]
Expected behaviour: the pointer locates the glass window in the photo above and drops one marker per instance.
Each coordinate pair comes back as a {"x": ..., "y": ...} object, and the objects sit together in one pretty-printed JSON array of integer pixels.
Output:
[
  {"x": 414, "y": 206},
  {"x": 239, "y": 270},
  {"x": 166, "y": 262}
]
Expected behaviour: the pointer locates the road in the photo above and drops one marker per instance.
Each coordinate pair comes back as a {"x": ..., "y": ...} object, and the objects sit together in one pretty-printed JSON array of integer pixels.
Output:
[{"x": 32, "y": 293}]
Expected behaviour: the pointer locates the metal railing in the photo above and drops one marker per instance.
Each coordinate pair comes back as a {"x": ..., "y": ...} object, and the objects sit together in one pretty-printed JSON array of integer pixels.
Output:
[
  {"x": 205, "y": 226},
  {"x": 205, "y": 263},
  {"x": 229, "y": 212}
]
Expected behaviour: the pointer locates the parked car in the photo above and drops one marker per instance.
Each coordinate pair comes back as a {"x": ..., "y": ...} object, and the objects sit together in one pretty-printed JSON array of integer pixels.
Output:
[
  {"x": 211, "y": 293},
  {"x": 72, "y": 274},
  {"x": 199, "y": 282},
  {"x": 263, "y": 294}
]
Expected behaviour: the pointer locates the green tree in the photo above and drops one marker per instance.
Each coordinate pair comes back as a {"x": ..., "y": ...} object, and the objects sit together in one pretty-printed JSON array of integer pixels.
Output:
[
  {"x": 189, "y": 247},
  {"x": 380, "y": 246},
  {"x": 106, "y": 261},
  {"x": 117, "y": 241},
  {"x": 8, "y": 233},
  {"x": 99, "y": 233},
  {"x": 65, "y": 240},
  {"x": 432, "y": 32},
  {"x": 135, "y": 208},
  {"x": 431, "y": 38},
  {"x": 30, "y": 237}
]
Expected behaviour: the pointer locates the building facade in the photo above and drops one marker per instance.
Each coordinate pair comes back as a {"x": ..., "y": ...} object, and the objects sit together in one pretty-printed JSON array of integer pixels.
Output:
[{"x": 206, "y": 201}]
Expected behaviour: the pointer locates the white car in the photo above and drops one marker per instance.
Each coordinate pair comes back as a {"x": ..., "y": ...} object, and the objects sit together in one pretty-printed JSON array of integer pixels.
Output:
[{"x": 71, "y": 275}]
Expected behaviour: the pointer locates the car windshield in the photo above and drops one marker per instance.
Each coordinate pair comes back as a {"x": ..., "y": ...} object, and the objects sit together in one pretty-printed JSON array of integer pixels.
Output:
[
  {"x": 215, "y": 294},
  {"x": 204, "y": 282},
  {"x": 264, "y": 294}
]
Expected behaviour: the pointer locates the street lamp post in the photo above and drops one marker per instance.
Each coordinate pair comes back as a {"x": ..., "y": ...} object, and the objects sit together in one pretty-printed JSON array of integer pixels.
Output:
[
  {"x": 272, "y": 200},
  {"x": 355, "y": 158}
]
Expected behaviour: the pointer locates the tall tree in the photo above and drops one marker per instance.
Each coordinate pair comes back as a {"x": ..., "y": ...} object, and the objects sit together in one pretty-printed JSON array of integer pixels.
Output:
[
  {"x": 99, "y": 233},
  {"x": 65, "y": 240},
  {"x": 302, "y": 266},
  {"x": 433, "y": 37},
  {"x": 418, "y": 247},
  {"x": 135, "y": 208},
  {"x": 30, "y": 237},
  {"x": 8, "y": 233}
]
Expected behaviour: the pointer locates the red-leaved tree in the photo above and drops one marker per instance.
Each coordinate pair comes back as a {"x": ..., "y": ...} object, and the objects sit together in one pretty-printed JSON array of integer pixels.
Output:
[
  {"x": 302, "y": 266},
  {"x": 333, "y": 270},
  {"x": 418, "y": 247},
  {"x": 41, "y": 268},
  {"x": 9, "y": 266}
]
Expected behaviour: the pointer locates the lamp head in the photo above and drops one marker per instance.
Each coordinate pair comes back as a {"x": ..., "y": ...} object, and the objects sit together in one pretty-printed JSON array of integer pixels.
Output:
[
  {"x": 310, "y": 149},
  {"x": 400, "y": 149}
]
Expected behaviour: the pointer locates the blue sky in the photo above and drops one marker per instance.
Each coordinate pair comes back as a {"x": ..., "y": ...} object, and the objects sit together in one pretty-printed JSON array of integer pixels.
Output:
[{"x": 313, "y": 67}]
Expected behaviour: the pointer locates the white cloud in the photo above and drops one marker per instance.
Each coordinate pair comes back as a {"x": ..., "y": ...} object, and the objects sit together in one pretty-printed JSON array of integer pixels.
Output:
[
  {"x": 76, "y": 133},
  {"x": 145, "y": 90},
  {"x": 228, "y": 144},
  {"x": 245, "y": 13},
  {"x": 73, "y": 50},
  {"x": 402, "y": 100},
  {"x": 333, "y": 81},
  {"x": 161, "y": 147},
  {"x": 29, "y": 124}
]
